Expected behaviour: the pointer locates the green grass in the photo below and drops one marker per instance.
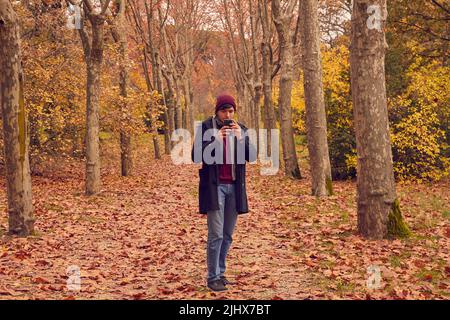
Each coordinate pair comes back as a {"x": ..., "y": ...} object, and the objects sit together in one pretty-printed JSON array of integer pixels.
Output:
[
  {"x": 345, "y": 216},
  {"x": 326, "y": 264},
  {"x": 437, "y": 204},
  {"x": 344, "y": 286},
  {"x": 340, "y": 286},
  {"x": 429, "y": 210},
  {"x": 37, "y": 234},
  {"x": 302, "y": 151},
  {"x": 432, "y": 276},
  {"x": 395, "y": 261},
  {"x": 434, "y": 203},
  {"x": 53, "y": 207}
]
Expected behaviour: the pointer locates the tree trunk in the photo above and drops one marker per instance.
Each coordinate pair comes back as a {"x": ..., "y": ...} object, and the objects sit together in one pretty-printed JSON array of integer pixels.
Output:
[
  {"x": 269, "y": 112},
  {"x": 257, "y": 85},
  {"x": 156, "y": 146},
  {"x": 162, "y": 102},
  {"x": 282, "y": 24},
  {"x": 188, "y": 61},
  {"x": 191, "y": 94},
  {"x": 178, "y": 111},
  {"x": 169, "y": 73},
  {"x": 94, "y": 64},
  {"x": 247, "y": 105},
  {"x": 156, "y": 72},
  {"x": 188, "y": 106},
  {"x": 256, "y": 106},
  {"x": 125, "y": 137},
  {"x": 125, "y": 153},
  {"x": 167, "y": 142},
  {"x": 16, "y": 143},
  {"x": 170, "y": 104},
  {"x": 377, "y": 204},
  {"x": 316, "y": 123},
  {"x": 266, "y": 52},
  {"x": 153, "y": 130}
]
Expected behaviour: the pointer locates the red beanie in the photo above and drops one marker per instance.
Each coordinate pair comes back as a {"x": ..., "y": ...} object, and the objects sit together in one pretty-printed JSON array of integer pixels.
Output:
[{"x": 223, "y": 100}]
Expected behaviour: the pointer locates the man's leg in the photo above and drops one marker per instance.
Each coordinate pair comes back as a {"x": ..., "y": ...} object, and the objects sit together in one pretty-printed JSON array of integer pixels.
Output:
[
  {"x": 215, "y": 237},
  {"x": 230, "y": 218}
]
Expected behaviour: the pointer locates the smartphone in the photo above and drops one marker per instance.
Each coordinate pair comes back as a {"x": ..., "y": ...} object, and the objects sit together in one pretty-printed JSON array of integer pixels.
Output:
[{"x": 227, "y": 122}]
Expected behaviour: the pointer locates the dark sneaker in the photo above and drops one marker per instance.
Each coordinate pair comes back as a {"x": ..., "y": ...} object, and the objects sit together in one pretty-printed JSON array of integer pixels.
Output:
[
  {"x": 217, "y": 285},
  {"x": 225, "y": 281}
]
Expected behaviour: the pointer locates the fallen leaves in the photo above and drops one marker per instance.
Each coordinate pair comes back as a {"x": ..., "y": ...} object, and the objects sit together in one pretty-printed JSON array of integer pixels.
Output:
[
  {"x": 40, "y": 280},
  {"x": 142, "y": 238}
]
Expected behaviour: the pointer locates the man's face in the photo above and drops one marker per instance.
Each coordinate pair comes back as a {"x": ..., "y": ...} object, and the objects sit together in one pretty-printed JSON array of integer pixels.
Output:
[{"x": 226, "y": 113}]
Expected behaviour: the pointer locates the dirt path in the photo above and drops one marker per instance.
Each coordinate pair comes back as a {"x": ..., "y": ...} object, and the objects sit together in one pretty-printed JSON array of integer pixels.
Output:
[{"x": 142, "y": 237}]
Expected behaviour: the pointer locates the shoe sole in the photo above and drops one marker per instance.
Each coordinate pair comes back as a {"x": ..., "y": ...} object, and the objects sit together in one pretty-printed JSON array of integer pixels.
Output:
[
  {"x": 224, "y": 289},
  {"x": 218, "y": 290}
]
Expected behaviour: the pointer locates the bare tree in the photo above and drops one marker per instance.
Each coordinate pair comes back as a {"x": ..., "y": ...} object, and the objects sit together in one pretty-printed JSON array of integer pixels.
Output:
[
  {"x": 183, "y": 39},
  {"x": 242, "y": 22},
  {"x": 334, "y": 18},
  {"x": 144, "y": 37}
]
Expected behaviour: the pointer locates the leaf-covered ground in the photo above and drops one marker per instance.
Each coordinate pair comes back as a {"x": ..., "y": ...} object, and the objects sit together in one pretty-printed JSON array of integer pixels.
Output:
[{"x": 142, "y": 238}]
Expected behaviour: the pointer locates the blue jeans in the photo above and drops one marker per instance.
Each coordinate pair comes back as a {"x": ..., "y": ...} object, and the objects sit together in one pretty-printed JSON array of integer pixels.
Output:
[{"x": 221, "y": 225}]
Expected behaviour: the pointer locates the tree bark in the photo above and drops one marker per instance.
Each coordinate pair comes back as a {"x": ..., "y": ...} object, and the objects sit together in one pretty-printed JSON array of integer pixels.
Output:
[
  {"x": 266, "y": 54},
  {"x": 94, "y": 65},
  {"x": 156, "y": 72},
  {"x": 159, "y": 82},
  {"x": 282, "y": 23},
  {"x": 377, "y": 204},
  {"x": 170, "y": 103},
  {"x": 178, "y": 108},
  {"x": 188, "y": 106},
  {"x": 316, "y": 123},
  {"x": 153, "y": 129},
  {"x": 125, "y": 137},
  {"x": 257, "y": 85},
  {"x": 16, "y": 142},
  {"x": 154, "y": 59},
  {"x": 93, "y": 55}
]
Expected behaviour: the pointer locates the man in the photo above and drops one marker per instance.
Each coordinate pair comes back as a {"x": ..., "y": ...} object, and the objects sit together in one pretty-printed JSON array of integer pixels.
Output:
[{"x": 222, "y": 189}]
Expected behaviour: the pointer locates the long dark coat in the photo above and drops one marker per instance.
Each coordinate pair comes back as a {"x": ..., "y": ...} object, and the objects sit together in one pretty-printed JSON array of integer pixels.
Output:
[{"x": 209, "y": 173}]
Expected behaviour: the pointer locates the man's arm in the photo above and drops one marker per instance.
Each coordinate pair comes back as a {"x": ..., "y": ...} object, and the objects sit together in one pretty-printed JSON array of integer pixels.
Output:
[
  {"x": 200, "y": 144},
  {"x": 250, "y": 148},
  {"x": 198, "y": 137}
]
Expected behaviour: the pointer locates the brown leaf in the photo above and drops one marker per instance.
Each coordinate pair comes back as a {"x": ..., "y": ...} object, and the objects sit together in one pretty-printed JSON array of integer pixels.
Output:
[{"x": 40, "y": 280}]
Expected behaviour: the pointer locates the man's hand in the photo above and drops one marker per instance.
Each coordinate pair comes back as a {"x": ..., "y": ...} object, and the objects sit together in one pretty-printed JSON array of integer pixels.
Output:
[
  {"x": 227, "y": 130},
  {"x": 224, "y": 131},
  {"x": 236, "y": 130}
]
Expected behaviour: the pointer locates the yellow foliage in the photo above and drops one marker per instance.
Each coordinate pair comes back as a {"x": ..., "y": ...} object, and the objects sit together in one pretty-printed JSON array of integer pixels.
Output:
[{"x": 418, "y": 138}]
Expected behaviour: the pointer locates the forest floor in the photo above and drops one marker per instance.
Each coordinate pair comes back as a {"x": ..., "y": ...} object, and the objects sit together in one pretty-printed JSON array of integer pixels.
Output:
[{"x": 142, "y": 238}]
